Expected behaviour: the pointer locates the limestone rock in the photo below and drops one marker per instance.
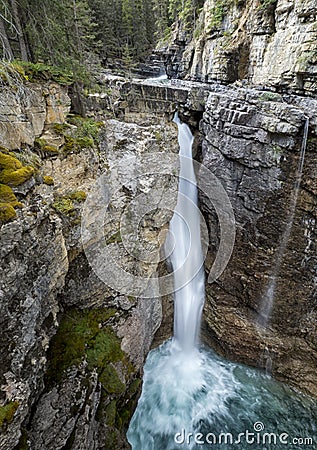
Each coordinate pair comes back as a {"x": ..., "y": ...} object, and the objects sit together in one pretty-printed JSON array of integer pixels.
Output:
[
  {"x": 251, "y": 142},
  {"x": 24, "y": 114},
  {"x": 239, "y": 41}
]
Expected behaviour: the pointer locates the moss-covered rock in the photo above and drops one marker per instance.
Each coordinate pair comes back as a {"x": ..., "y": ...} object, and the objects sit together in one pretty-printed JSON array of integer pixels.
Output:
[
  {"x": 8, "y": 202},
  {"x": 9, "y": 162},
  {"x": 114, "y": 238},
  {"x": 46, "y": 149},
  {"x": 7, "y": 212},
  {"x": 7, "y": 413},
  {"x": 6, "y": 194},
  {"x": 75, "y": 145},
  {"x": 86, "y": 339},
  {"x": 83, "y": 334},
  {"x": 16, "y": 177},
  {"x": 83, "y": 134},
  {"x": 61, "y": 128},
  {"x": 78, "y": 196},
  {"x": 64, "y": 205}
]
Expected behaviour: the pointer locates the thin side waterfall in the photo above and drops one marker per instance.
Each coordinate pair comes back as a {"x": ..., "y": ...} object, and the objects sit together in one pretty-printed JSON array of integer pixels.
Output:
[
  {"x": 268, "y": 298},
  {"x": 186, "y": 257},
  {"x": 191, "y": 398}
]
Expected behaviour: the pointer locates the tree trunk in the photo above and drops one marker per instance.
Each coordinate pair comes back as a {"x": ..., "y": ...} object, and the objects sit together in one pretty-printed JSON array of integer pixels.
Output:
[
  {"x": 7, "y": 50},
  {"x": 17, "y": 22}
]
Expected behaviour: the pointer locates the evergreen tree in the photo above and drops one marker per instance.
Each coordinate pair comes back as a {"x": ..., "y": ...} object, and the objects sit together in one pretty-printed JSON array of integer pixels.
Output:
[{"x": 74, "y": 33}]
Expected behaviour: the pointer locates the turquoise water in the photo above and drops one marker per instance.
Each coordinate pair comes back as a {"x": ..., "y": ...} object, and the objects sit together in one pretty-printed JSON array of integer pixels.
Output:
[{"x": 232, "y": 406}]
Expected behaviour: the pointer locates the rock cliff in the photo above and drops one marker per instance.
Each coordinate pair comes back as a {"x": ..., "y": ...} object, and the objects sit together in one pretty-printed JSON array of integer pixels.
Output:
[{"x": 270, "y": 43}]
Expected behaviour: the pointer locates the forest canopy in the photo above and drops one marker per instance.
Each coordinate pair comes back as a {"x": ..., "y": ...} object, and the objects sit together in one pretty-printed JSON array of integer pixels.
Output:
[{"x": 79, "y": 33}]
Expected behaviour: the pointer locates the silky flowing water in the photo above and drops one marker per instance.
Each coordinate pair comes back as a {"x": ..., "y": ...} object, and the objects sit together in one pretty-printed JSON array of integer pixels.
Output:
[{"x": 191, "y": 398}]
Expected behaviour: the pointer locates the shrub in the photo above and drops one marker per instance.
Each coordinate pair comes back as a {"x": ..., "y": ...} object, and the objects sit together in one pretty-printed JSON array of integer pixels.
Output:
[
  {"x": 7, "y": 413},
  {"x": 9, "y": 162}
]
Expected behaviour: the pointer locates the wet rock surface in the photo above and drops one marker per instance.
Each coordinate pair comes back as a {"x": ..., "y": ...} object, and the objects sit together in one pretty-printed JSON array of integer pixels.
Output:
[
  {"x": 252, "y": 144},
  {"x": 271, "y": 44},
  {"x": 74, "y": 348}
]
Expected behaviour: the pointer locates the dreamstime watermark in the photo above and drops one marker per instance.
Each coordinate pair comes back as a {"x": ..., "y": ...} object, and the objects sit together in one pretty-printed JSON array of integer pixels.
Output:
[
  {"x": 257, "y": 436},
  {"x": 141, "y": 176}
]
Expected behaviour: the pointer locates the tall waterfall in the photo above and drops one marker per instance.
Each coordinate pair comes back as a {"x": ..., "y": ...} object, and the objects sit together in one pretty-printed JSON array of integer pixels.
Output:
[
  {"x": 267, "y": 302},
  {"x": 186, "y": 257}
]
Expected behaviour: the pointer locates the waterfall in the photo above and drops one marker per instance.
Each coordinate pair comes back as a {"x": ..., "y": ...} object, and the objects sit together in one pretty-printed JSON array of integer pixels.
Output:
[
  {"x": 191, "y": 398},
  {"x": 186, "y": 256},
  {"x": 268, "y": 298}
]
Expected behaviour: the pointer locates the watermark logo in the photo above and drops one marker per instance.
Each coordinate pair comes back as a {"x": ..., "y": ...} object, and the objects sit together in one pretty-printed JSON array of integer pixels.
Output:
[
  {"x": 141, "y": 176},
  {"x": 256, "y": 436}
]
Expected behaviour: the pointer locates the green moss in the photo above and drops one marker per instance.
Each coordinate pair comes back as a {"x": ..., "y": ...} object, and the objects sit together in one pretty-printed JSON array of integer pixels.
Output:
[
  {"x": 124, "y": 417},
  {"x": 61, "y": 128},
  {"x": 158, "y": 136},
  {"x": 28, "y": 158},
  {"x": 7, "y": 413},
  {"x": 7, "y": 212},
  {"x": 110, "y": 413},
  {"x": 43, "y": 72},
  {"x": 111, "y": 381},
  {"x": 84, "y": 136},
  {"x": 8, "y": 202},
  {"x": 111, "y": 440},
  {"x": 9, "y": 162},
  {"x": 48, "y": 180},
  {"x": 78, "y": 196},
  {"x": 23, "y": 442},
  {"x": 6, "y": 194},
  {"x": 76, "y": 222},
  {"x": 82, "y": 334},
  {"x": 64, "y": 205},
  {"x": 16, "y": 177},
  {"x": 42, "y": 145},
  {"x": 73, "y": 144},
  {"x": 269, "y": 97},
  {"x": 134, "y": 387}
]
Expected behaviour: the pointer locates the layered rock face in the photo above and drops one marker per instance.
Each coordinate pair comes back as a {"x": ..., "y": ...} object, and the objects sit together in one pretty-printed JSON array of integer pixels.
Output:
[
  {"x": 271, "y": 43},
  {"x": 72, "y": 347},
  {"x": 252, "y": 142}
]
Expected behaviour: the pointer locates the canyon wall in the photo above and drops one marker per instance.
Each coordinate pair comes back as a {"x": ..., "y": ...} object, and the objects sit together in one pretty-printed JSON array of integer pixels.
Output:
[
  {"x": 72, "y": 348},
  {"x": 252, "y": 142},
  {"x": 267, "y": 43}
]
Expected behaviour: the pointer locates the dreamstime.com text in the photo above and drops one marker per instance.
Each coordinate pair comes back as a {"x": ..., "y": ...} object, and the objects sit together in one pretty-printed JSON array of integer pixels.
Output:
[{"x": 256, "y": 436}]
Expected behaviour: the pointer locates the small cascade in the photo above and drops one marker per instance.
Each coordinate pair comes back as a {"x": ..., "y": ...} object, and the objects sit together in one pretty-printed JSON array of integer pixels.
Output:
[{"x": 268, "y": 298}]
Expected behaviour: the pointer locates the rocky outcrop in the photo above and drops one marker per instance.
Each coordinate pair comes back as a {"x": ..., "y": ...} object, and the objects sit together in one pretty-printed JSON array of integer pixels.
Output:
[
  {"x": 251, "y": 142},
  {"x": 29, "y": 110},
  {"x": 267, "y": 43},
  {"x": 74, "y": 347}
]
